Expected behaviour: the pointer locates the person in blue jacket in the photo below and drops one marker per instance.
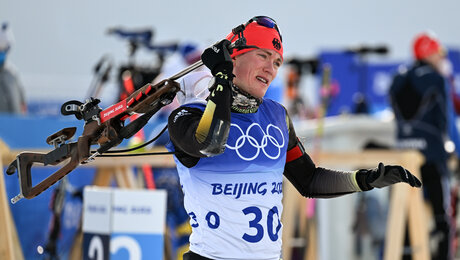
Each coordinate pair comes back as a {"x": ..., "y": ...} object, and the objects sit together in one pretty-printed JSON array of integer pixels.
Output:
[
  {"x": 233, "y": 146},
  {"x": 425, "y": 120}
]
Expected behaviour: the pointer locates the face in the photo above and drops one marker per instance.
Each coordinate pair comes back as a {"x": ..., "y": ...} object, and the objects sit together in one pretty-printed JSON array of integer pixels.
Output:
[
  {"x": 255, "y": 70},
  {"x": 436, "y": 60}
]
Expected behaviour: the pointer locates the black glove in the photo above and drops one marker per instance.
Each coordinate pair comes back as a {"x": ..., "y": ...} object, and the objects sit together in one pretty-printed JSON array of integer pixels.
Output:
[
  {"x": 383, "y": 176},
  {"x": 386, "y": 175},
  {"x": 217, "y": 59}
]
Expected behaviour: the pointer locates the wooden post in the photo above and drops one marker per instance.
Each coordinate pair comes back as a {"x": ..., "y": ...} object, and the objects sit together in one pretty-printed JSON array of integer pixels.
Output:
[
  {"x": 103, "y": 176},
  {"x": 125, "y": 177},
  {"x": 10, "y": 247},
  {"x": 291, "y": 213},
  {"x": 394, "y": 238},
  {"x": 312, "y": 240},
  {"x": 406, "y": 206}
]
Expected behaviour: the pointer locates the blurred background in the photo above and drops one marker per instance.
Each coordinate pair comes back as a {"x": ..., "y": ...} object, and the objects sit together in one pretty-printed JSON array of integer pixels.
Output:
[
  {"x": 71, "y": 50},
  {"x": 57, "y": 43}
]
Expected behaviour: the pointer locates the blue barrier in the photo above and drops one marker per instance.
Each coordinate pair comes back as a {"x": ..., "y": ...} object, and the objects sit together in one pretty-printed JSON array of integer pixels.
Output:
[
  {"x": 371, "y": 77},
  {"x": 353, "y": 74},
  {"x": 20, "y": 132}
]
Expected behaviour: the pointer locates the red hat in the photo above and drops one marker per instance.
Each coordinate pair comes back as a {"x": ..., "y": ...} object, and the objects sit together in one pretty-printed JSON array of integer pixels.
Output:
[
  {"x": 426, "y": 44},
  {"x": 260, "y": 36}
]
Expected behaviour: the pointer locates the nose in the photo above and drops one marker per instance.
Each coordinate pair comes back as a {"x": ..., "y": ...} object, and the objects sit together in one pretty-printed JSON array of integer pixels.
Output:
[{"x": 270, "y": 68}]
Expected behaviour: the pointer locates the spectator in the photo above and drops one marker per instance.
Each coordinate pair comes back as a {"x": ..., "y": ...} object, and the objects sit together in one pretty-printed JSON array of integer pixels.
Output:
[
  {"x": 422, "y": 106},
  {"x": 11, "y": 90}
]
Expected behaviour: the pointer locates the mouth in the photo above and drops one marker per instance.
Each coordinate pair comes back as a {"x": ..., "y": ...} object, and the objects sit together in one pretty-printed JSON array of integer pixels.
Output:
[{"x": 261, "y": 79}]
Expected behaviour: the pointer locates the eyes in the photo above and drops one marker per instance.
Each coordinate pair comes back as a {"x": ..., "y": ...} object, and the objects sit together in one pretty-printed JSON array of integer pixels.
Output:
[{"x": 266, "y": 56}]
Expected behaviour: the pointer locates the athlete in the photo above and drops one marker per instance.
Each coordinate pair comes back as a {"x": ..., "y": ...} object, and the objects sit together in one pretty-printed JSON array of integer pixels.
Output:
[{"x": 232, "y": 148}]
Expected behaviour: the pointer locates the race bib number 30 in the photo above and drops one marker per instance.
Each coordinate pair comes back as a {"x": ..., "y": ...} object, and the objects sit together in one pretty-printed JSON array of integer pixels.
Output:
[{"x": 257, "y": 227}]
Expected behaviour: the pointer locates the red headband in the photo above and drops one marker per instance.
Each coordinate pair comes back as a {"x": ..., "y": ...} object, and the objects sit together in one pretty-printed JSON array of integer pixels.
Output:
[{"x": 260, "y": 36}]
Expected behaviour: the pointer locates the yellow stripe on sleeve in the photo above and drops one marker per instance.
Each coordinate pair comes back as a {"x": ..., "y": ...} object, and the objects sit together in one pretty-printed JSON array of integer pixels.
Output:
[
  {"x": 202, "y": 130},
  {"x": 354, "y": 181}
]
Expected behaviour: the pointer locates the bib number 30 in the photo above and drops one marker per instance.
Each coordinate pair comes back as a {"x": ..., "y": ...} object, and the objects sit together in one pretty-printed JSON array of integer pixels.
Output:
[{"x": 255, "y": 223}]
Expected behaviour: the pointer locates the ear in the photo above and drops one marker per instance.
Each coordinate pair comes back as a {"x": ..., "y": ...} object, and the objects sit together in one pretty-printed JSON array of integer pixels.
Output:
[{"x": 234, "y": 61}]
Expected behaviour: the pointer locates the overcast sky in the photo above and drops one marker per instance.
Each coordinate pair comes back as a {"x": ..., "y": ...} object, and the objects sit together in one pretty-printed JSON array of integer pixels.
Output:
[{"x": 58, "y": 42}]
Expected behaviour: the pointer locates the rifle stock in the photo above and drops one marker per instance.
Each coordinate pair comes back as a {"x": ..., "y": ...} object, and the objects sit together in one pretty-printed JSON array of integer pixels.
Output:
[{"x": 24, "y": 162}]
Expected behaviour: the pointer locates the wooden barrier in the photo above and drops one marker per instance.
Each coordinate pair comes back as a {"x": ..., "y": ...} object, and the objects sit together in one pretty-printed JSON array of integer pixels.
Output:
[
  {"x": 10, "y": 247},
  {"x": 400, "y": 208}
]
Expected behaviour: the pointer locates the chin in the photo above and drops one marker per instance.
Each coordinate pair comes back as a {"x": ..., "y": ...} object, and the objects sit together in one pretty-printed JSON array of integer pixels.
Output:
[
  {"x": 259, "y": 96},
  {"x": 262, "y": 94}
]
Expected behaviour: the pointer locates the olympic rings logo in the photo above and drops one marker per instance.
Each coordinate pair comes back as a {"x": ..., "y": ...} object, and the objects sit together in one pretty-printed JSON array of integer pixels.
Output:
[{"x": 266, "y": 139}]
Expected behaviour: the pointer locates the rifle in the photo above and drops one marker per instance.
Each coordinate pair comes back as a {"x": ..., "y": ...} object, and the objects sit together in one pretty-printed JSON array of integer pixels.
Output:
[{"x": 103, "y": 127}]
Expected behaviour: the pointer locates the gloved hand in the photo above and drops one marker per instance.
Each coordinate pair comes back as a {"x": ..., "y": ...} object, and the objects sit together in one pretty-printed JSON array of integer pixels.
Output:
[
  {"x": 383, "y": 176},
  {"x": 218, "y": 60}
]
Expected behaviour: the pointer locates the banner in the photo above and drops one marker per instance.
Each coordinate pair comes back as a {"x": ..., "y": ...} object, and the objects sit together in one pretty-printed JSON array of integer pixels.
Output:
[{"x": 123, "y": 224}]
